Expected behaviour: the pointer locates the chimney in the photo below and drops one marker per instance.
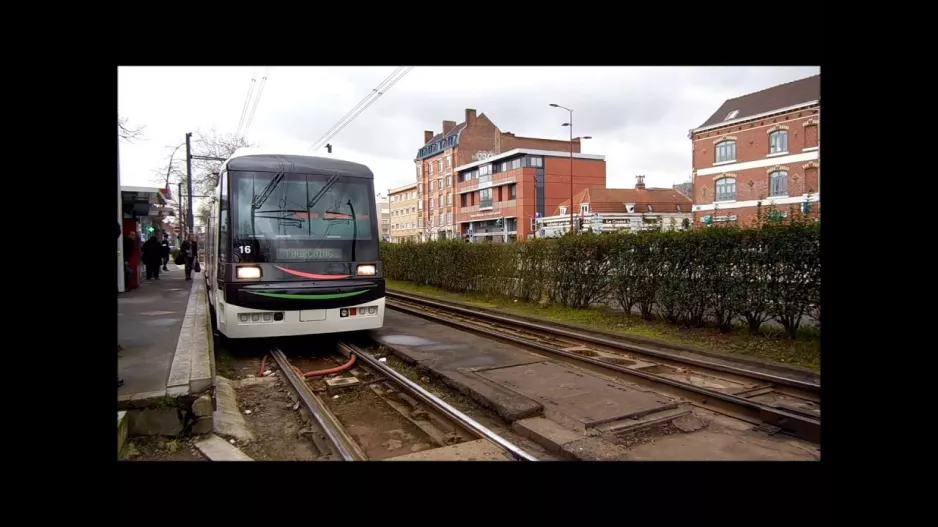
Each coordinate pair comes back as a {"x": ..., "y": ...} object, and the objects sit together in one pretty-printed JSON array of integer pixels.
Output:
[
  {"x": 427, "y": 136},
  {"x": 448, "y": 126},
  {"x": 640, "y": 182},
  {"x": 470, "y": 116}
]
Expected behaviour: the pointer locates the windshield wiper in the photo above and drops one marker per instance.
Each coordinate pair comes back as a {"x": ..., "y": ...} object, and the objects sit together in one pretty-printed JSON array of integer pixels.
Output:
[
  {"x": 322, "y": 192},
  {"x": 268, "y": 190}
]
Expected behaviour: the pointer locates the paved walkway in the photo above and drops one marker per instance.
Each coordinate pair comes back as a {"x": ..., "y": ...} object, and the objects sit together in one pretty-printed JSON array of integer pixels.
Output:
[{"x": 149, "y": 320}]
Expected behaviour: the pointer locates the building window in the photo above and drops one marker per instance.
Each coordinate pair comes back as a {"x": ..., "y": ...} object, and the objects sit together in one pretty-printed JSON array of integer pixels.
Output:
[
  {"x": 430, "y": 168},
  {"x": 778, "y": 142},
  {"x": 449, "y": 181},
  {"x": 778, "y": 183},
  {"x": 485, "y": 197},
  {"x": 440, "y": 164},
  {"x": 419, "y": 170},
  {"x": 431, "y": 203},
  {"x": 504, "y": 166},
  {"x": 584, "y": 208},
  {"x": 563, "y": 210},
  {"x": 439, "y": 184},
  {"x": 516, "y": 163},
  {"x": 485, "y": 170},
  {"x": 725, "y": 151},
  {"x": 449, "y": 161},
  {"x": 449, "y": 218},
  {"x": 535, "y": 161},
  {"x": 725, "y": 189},
  {"x": 449, "y": 200},
  {"x": 810, "y": 136},
  {"x": 513, "y": 192}
]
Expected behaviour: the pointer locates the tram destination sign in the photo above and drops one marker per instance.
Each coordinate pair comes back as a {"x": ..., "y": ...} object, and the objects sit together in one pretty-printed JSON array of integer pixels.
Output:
[{"x": 319, "y": 253}]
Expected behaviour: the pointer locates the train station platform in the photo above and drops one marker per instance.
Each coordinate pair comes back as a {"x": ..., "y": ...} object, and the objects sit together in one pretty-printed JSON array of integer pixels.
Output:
[{"x": 165, "y": 356}]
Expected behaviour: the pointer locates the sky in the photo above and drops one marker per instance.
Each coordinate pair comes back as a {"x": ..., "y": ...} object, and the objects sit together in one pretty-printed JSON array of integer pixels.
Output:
[{"x": 638, "y": 116}]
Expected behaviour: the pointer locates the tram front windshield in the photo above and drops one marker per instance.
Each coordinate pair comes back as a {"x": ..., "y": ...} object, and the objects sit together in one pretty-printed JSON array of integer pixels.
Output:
[{"x": 301, "y": 218}]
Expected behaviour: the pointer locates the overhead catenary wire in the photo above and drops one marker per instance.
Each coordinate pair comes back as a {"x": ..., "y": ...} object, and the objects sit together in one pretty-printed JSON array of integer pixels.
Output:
[
  {"x": 357, "y": 106},
  {"x": 247, "y": 103},
  {"x": 257, "y": 99},
  {"x": 363, "y": 105}
]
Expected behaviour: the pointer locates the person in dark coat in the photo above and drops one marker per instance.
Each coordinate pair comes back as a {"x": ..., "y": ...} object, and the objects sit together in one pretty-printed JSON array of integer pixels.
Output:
[
  {"x": 165, "y": 248},
  {"x": 152, "y": 257},
  {"x": 129, "y": 242},
  {"x": 190, "y": 252}
]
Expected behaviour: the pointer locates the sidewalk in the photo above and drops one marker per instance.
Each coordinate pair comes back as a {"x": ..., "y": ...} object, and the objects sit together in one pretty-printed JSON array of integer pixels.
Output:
[
  {"x": 164, "y": 331},
  {"x": 149, "y": 319}
]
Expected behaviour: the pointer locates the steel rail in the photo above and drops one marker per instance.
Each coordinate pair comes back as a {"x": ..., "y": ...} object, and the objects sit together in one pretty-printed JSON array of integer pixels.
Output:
[
  {"x": 603, "y": 340},
  {"x": 343, "y": 444},
  {"x": 436, "y": 403},
  {"x": 799, "y": 425}
]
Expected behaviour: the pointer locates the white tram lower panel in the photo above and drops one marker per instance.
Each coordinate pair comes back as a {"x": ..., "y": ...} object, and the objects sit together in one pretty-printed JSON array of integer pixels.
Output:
[{"x": 238, "y": 322}]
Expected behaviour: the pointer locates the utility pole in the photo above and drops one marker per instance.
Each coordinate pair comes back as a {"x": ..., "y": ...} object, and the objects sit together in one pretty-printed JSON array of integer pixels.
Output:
[{"x": 189, "y": 223}]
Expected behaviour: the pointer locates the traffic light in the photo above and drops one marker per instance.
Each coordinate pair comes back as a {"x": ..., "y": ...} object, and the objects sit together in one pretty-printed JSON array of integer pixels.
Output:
[
  {"x": 498, "y": 222},
  {"x": 150, "y": 228},
  {"x": 708, "y": 219}
]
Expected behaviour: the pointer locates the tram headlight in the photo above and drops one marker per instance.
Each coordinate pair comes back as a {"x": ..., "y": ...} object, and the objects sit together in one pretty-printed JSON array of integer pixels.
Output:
[
  {"x": 249, "y": 273},
  {"x": 366, "y": 270}
]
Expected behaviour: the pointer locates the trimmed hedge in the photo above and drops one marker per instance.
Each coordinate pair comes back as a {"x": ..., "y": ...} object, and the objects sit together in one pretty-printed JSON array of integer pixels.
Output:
[{"x": 687, "y": 277}]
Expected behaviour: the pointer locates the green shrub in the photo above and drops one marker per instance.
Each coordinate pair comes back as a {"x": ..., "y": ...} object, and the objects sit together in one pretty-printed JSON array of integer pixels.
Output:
[{"x": 691, "y": 277}]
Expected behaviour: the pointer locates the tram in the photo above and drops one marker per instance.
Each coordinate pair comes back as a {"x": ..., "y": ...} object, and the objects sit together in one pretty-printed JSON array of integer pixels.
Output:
[{"x": 292, "y": 247}]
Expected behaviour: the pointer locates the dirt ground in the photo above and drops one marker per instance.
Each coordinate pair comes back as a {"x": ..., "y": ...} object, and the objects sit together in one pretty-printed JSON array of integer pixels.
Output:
[
  {"x": 154, "y": 448},
  {"x": 269, "y": 414},
  {"x": 380, "y": 430}
]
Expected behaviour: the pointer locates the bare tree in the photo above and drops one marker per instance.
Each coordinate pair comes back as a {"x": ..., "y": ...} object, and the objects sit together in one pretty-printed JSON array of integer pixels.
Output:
[
  {"x": 204, "y": 172},
  {"x": 128, "y": 133},
  {"x": 211, "y": 144}
]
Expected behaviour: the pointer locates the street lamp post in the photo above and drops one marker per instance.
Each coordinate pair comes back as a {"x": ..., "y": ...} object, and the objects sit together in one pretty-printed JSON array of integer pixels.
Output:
[{"x": 570, "y": 124}]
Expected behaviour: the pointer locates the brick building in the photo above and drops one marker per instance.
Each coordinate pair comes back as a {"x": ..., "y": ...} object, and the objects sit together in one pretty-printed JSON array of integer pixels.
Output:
[
  {"x": 601, "y": 209},
  {"x": 763, "y": 147},
  {"x": 403, "y": 203},
  {"x": 498, "y": 198},
  {"x": 474, "y": 139}
]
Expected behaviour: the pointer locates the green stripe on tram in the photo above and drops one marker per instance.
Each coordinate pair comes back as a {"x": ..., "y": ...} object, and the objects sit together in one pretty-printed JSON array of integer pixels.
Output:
[{"x": 290, "y": 296}]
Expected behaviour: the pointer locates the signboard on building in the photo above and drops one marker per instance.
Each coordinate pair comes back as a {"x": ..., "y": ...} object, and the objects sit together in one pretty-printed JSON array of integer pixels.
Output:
[{"x": 482, "y": 156}]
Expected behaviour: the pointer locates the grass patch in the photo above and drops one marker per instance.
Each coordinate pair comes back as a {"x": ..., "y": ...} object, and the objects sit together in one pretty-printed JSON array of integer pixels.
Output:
[{"x": 771, "y": 345}]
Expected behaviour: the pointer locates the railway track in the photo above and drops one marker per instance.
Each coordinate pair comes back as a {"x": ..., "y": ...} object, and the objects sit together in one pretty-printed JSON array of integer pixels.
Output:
[
  {"x": 772, "y": 397},
  {"x": 341, "y": 445}
]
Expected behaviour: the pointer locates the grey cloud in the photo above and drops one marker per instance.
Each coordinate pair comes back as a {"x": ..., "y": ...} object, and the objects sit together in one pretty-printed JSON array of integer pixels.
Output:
[{"x": 638, "y": 116}]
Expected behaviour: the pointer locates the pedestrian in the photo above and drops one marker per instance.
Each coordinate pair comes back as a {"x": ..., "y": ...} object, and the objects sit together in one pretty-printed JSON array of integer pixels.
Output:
[
  {"x": 165, "y": 249},
  {"x": 190, "y": 252},
  {"x": 130, "y": 243},
  {"x": 152, "y": 257}
]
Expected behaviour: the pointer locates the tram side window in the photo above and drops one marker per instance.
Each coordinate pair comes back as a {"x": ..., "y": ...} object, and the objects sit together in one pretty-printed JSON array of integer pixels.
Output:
[{"x": 223, "y": 243}]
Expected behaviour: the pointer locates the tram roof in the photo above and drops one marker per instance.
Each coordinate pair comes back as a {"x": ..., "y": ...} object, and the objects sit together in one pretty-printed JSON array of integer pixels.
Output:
[{"x": 266, "y": 160}]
